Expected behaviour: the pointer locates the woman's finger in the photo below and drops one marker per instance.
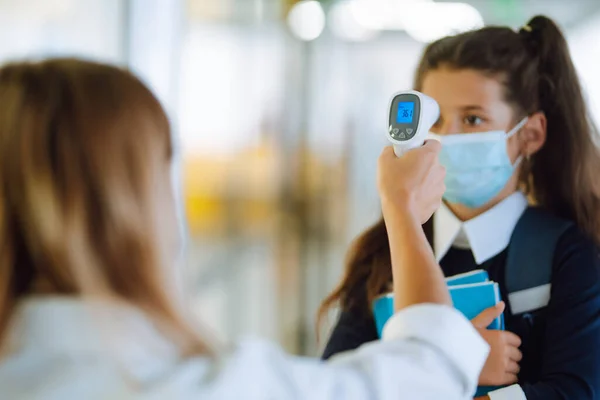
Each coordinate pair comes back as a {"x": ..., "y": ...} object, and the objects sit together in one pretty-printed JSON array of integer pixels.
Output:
[
  {"x": 433, "y": 145},
  {"x": 510, "y": 378},
  {"x": 512, "y": 339},
  {"x": 513, "y": 368},
  {"x": 487, "y": 316},
  {"x": 515, "y": 354}
]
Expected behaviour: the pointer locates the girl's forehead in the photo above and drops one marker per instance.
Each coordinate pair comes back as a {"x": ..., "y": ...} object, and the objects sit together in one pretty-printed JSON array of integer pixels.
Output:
[{"x": 462, "y": 88}]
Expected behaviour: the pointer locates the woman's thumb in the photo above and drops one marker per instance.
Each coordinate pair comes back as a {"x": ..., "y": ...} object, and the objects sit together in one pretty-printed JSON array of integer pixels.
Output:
[{"x": 488, "y": 316}]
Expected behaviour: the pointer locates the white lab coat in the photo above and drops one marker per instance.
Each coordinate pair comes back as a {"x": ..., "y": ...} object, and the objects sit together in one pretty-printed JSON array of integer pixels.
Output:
[{"x": 65, "y": 349}]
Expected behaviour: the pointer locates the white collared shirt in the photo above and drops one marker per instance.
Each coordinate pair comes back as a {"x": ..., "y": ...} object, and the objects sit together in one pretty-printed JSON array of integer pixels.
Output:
[
  {"x": 61, "y": 348},
  {"x": 486, "y": 236}
]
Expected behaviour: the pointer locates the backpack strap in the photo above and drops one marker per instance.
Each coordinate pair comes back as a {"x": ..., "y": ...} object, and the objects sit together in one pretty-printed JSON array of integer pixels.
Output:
[{"x": 530, "y": 259}]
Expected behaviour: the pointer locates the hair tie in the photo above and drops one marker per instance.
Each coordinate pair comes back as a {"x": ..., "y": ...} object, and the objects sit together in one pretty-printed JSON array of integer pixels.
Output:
[{"x": 531, "y": 39}]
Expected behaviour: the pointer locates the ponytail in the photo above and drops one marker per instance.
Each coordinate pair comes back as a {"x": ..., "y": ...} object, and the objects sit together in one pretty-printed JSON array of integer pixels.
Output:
[{"x": 562, "y": 173}]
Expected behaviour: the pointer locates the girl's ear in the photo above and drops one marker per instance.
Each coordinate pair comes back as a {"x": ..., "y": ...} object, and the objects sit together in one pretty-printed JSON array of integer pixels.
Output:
[{"x": 533, "y": 134}]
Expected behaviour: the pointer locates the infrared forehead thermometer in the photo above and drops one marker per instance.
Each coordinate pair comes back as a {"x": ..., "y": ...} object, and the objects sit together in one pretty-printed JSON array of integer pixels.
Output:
[{"x": 412, "y": 114}]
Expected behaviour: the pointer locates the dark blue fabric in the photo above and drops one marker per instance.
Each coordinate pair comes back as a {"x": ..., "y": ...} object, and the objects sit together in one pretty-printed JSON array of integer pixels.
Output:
[
  {"x": 561, "y": 343},
  {"x": 530, "y": 258}
]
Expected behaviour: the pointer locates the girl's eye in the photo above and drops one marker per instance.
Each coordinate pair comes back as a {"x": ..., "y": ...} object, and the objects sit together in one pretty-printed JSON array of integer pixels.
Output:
[{"x": 472, "y": 120}]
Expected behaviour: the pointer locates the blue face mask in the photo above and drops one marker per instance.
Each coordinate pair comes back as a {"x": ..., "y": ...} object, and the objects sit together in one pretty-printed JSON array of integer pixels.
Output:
[{"x": 477, "y": 165}]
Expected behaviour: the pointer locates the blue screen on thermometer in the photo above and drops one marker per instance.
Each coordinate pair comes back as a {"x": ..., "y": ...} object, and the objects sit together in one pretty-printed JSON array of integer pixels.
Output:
[{"x": 405, "y": 112}]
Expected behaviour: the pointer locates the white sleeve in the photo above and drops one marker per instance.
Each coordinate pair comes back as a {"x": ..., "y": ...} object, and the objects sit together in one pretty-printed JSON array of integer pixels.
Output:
[
  {"x": 512, "y": 392},
  {"x": 430, "y": 352}
]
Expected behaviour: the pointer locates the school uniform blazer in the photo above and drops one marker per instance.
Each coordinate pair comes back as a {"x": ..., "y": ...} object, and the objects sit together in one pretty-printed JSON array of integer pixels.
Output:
[{"x": 561, "y": 342}]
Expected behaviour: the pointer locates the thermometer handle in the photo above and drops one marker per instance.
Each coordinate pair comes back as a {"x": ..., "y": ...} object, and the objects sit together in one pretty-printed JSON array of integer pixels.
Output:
[{"x": 399, "y": 150}]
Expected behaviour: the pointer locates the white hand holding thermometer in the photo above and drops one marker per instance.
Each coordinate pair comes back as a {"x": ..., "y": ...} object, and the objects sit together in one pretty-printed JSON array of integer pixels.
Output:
[{"x": 412, "y": 114}]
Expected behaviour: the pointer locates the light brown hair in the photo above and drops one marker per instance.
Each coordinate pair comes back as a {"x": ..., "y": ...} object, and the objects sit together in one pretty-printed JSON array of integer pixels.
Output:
[{"x": 80, "y": 143}]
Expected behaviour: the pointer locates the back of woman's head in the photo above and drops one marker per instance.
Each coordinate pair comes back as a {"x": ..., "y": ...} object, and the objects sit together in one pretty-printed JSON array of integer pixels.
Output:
[
  {"x": 538, "y": 75},
  {"x": 84, "y": 148}
]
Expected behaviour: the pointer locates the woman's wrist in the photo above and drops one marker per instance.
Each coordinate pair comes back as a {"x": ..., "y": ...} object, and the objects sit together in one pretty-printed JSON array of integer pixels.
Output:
[{"x": 400, "y": 211}]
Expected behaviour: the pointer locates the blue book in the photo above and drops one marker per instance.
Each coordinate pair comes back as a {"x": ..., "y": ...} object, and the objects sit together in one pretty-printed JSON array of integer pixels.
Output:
[
  {"x": 471, "y": 294},
  {"x": 476, "y": 276},
  {"x": 383, "y": 309},
  {"x": 487, "y": 295},
  {"x": 472, "y": 299}
]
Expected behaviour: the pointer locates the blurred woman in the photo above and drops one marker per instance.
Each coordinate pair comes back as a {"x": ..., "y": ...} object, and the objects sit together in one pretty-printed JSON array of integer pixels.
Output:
[
  {"x": 88, "y": 235},
  {"x": 515, "y": 133}
]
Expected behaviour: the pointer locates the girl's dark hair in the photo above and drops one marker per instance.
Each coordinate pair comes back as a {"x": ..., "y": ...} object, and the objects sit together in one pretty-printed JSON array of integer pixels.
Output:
[{"x": 535, "y": 67}]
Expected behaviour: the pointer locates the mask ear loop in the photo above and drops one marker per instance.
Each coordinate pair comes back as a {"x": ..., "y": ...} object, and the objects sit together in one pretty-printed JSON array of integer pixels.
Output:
[
  {"x": 513, "y": 132},
  {"x": 517, "y": 127}
]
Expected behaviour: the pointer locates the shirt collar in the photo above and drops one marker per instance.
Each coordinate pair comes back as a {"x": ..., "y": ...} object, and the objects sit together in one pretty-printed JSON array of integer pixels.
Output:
[{"x": 485, "y": 235}]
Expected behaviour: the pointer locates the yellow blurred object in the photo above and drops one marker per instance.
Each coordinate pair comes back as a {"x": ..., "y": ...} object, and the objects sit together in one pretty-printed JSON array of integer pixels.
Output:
[
  {"x": 203, "y": 213},
  {"x": 243, "y": 192},
  {"x": 243, "y": 188}
]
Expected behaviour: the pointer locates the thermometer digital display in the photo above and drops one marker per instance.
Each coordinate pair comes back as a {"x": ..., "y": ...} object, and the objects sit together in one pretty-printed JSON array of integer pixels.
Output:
[
  {"x": 411, "y": 116},
  {"x": 405, "y": 112}
]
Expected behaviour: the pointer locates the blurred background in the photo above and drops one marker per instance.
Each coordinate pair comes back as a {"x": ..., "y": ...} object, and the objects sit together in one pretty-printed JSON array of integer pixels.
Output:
[{"x": 279, "y": 112}]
